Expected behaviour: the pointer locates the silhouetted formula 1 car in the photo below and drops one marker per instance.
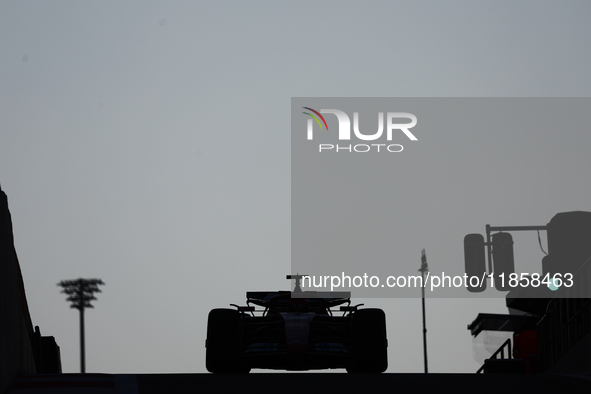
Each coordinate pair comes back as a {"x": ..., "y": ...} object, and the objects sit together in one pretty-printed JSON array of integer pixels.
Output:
[{"x": 296, "y": 331}]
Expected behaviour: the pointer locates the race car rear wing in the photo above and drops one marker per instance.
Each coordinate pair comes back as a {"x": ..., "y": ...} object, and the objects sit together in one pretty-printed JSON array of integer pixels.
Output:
[{"x": 331, "y": 299}]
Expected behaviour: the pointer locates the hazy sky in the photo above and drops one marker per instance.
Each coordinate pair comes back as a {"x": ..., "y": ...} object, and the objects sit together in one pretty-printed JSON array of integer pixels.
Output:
[{"x": 147, "y": 143}]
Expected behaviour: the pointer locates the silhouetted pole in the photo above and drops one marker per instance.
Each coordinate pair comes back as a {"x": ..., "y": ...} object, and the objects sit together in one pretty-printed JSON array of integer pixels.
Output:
[
  {"x": 82, "y": 350},
  {"x": 424, "y": 268},
  {"x": 80, "y": 292}
]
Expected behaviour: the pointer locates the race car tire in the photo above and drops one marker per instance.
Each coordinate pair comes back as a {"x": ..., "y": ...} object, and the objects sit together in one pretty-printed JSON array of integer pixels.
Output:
[
  {"x": 369, "y": 342},
  {"x": 223, "y": 342}
]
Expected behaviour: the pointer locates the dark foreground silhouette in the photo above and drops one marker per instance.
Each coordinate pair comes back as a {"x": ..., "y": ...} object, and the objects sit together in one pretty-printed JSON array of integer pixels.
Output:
[
  {"x": 296, "y": 331},
  {"x": 297, "y": 383}
]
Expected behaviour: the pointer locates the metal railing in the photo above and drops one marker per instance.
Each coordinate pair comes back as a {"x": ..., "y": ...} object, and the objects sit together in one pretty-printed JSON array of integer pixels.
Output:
[{"x": 500, "y": 350}]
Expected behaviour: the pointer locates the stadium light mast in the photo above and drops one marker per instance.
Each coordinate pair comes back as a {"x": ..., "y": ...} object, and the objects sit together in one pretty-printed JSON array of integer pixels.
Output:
[
  {"x": 80, "y": 292},
  {"x": 424, "y": 268}
]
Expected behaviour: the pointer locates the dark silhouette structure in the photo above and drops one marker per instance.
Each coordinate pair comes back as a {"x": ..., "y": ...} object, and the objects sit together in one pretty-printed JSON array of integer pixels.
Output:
[
  {"x": 550, "y": 311},
  {"x": 80, "y": 292},
  {"x": 22, "y": 348}
]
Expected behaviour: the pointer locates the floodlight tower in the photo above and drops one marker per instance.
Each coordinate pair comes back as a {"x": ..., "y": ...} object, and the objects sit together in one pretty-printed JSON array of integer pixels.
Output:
[{"x": 80, "y": 292}]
